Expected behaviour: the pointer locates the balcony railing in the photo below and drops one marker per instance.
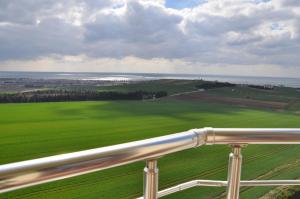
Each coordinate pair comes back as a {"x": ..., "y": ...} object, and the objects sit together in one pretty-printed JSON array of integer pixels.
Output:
[{"x": 32, "y": 172}]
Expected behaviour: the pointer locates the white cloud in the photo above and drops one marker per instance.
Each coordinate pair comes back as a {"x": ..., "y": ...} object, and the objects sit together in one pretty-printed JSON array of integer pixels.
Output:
[{"x": 247, "y": 34}]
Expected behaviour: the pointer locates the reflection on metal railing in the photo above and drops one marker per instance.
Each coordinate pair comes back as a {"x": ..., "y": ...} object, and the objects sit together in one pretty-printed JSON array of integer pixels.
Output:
[{"x": 28, "y": 173}]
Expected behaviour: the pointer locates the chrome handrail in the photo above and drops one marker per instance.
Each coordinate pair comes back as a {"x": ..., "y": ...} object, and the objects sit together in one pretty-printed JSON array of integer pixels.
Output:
[{"x": 32, "y": 172}]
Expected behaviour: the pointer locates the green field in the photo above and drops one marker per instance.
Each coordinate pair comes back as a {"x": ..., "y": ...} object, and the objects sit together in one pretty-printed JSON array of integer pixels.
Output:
[{"x": 36, "y": 130}]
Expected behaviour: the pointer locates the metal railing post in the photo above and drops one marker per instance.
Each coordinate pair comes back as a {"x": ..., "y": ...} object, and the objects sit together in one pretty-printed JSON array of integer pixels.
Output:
[
  {"x": 151, "y": 180},
  {"x": 234, "y": 172},
  {"x": 28, "y": 173}
]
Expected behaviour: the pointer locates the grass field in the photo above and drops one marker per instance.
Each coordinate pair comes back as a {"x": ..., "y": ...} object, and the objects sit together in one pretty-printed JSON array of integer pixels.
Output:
[{"x": 36, "y": 130}]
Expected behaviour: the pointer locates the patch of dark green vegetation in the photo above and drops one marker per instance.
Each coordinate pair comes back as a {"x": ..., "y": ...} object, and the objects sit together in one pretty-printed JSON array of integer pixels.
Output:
[
  {"x": 295, "y": 196},
  {"x": 171, "y": 86},
  {"x": 76, "y": 95},
  {"x": 265, "y": 87},
  {"x": 211, "y": 85}
]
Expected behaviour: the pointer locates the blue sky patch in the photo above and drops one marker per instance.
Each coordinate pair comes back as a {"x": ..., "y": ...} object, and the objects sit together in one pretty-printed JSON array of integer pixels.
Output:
[{"x": 180, "y": 4}]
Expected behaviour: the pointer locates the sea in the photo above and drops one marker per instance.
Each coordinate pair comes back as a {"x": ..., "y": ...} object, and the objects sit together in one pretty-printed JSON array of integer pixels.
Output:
[{"x": 276, "y": 81}]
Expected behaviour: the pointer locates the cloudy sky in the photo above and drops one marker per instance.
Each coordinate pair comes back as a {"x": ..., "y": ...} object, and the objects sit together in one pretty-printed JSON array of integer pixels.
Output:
[{"x": 231, "y": 37}]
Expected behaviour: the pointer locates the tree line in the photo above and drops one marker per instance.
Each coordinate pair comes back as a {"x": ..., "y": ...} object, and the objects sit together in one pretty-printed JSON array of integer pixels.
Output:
[
  {"x": 75, "y": 95},
  {"x": 211, "y": 85},
  {"x": 265, "y": 87}
]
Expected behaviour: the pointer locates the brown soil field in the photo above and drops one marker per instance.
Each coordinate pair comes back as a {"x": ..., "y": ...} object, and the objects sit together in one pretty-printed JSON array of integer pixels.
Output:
[{"x": 202, "y": 96}]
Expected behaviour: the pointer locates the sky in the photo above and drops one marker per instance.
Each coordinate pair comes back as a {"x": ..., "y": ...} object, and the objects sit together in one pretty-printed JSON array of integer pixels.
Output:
[{"x": 226, "y": 37}]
